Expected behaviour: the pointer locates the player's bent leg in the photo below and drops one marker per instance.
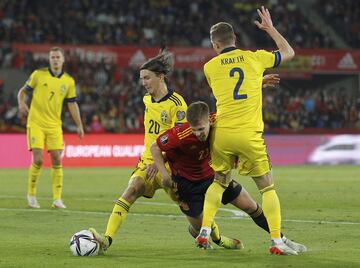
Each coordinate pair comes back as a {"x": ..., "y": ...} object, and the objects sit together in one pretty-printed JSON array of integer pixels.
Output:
[{"x": 135, "y": 189}]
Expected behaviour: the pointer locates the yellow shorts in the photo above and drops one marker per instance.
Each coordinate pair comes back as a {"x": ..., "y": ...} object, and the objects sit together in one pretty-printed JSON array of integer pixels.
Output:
[
  {"x": 150, "y": 185},
  {"x": 38, "y": 137},
  {"x": 249, "y": 148}
]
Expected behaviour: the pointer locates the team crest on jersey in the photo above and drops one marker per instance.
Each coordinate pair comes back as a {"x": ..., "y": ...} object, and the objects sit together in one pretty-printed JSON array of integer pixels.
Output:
[
  {"x": 180, "y": 115},
  {"x": 164, "y": 117},
  {"x": 164, "y": 139},
  {"x": 63, "y": 89}
]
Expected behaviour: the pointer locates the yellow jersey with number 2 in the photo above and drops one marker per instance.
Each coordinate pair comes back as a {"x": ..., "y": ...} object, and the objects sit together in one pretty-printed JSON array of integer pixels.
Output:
[{"x": 235, "y": 77}]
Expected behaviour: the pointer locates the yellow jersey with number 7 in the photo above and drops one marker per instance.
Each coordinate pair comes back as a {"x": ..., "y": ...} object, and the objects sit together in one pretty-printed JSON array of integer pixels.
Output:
[
  {"x": 48, "y": 94},
  {"x": 235, "y": 77}
]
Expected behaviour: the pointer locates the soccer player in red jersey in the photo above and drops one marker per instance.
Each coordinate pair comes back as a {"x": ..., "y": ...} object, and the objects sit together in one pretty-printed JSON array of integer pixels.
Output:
[{"x": 187, "y": 151}]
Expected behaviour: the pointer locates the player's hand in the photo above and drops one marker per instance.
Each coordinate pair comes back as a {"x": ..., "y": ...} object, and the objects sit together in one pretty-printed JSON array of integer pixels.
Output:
[
  {"x": 266, "y": 22},
  {"x": 270, "y": 80},
  {"x": 23, "y": 109},
  {"x": 80, "y": 132},
  {"x": 151, "y": 171}
]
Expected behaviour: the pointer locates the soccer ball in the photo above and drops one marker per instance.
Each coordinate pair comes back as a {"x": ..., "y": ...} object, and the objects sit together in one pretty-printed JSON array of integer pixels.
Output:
[{"x": 83, "y": 243}]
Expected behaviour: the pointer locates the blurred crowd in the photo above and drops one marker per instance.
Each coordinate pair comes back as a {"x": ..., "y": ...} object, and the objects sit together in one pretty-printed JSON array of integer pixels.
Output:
[
  {"x": 299, "y": 109},
  {"x": 153, "y": 22},
  {"x": 343, "y": 16},
  {"x": 110, "y": 100}
]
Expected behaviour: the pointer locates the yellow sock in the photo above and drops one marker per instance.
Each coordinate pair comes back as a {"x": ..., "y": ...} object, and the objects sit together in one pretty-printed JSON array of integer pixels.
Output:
[
  {"x": 215, "y": 232},
  {"x": 117, "y": 217},
  {"x": 57, "y": 181},
  {"x": 271, "y": 208},
  {"x": 33, "y": 177},
  {"x": 212, "y": 203}
]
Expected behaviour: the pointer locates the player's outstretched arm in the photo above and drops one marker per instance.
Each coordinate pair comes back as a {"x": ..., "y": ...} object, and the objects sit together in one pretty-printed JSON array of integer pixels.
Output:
[
  {"x": 21, "y": 97},
  {"x": 286, "y": 51},
  {"x": 75, "y": 114}
]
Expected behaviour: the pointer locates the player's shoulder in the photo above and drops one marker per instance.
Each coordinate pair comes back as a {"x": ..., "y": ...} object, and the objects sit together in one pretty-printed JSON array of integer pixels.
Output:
[
  {"x": 182, "y": 131},
  {"x": 146, "y": 97},
  {"x": 41, "y": 71},
  {"x": 66, "y": 75},
  {"x": 177, "y": 99}
]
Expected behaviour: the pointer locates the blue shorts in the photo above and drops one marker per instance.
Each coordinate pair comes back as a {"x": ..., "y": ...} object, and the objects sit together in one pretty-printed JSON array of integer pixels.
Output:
[{"x": 193, "y": 193}]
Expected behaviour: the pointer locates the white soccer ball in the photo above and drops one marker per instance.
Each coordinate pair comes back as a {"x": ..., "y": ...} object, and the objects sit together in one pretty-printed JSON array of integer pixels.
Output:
[{"x": 83, "y": 243}]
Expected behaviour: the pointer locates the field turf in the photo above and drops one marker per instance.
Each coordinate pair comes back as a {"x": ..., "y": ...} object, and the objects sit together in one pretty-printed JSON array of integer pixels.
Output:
[{"x": 320, "y": 208}]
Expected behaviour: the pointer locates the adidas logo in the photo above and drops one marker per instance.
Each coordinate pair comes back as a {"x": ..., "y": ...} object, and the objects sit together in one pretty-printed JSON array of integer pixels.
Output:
[
  {"x": 347, "y": 62},
  {"x": 137, "y": 59}
]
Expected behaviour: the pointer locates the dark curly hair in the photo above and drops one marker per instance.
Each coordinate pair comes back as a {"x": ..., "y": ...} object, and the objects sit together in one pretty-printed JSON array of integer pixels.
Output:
[{"x": 160, "y": 64}]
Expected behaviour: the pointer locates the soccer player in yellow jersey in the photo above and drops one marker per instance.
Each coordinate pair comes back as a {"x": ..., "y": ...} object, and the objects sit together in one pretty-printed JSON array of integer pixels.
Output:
[
  {"x": 235, "y": 77},
  {"x": 49, "y": 88},
  {"x": 164, "y": 108}
]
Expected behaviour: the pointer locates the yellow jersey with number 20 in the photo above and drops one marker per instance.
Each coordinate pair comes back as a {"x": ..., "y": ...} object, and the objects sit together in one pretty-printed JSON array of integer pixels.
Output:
[{"x": 161, "y": 116}]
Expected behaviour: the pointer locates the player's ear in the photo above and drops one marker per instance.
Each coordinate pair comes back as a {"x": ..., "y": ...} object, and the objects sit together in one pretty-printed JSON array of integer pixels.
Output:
[{"x": 162, "y": 77}]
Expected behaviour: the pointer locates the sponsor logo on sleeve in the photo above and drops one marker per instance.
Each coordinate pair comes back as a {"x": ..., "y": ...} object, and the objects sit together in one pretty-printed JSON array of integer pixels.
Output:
[
  {"x": 164, "y": 139},
  {"x": 180, "y": 115}
]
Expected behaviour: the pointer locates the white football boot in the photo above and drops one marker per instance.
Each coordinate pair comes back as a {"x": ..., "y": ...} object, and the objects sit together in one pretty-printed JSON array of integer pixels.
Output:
[{"x": 32, "y": 201}]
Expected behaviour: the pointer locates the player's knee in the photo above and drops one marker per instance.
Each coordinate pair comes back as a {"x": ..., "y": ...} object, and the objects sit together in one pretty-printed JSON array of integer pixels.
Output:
[
  {"x": 222, "y": 179},
  {"x": 38, "y": 161},
  {"x": 56, "y": 158},
  {"x": 135, "y": 189},
  {"x": 264, "y": 181}
]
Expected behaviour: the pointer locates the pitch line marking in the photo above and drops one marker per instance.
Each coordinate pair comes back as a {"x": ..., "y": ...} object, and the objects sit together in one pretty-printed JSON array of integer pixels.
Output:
[{"x": 237, "y": 214}]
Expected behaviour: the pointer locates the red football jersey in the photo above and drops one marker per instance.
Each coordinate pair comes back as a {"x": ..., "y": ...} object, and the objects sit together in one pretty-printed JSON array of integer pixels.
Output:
[{"x": 187, "y": 156}]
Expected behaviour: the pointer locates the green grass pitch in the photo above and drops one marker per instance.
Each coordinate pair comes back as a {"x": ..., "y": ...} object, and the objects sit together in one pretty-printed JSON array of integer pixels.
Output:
[{"x": 320, "y": 208}]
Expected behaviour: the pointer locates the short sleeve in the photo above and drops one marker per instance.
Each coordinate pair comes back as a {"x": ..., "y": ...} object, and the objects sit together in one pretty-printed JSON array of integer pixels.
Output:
[
  {"x": 179, "y": 112},
  {"x": 207, "y": 75},
  {"x": 167, "y": 141},
  {"x": 32, "y": 81},
  {"x": 268, "y": 59},
  {"x": 71, "y": 95}
]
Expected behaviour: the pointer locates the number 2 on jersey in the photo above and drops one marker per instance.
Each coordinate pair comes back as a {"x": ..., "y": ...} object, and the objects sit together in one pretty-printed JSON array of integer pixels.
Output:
[{"x": 236, "y": 94}]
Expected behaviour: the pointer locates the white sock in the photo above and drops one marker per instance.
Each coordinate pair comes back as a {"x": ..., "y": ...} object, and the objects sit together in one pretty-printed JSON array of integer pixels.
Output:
[
  {"x": 277, "y": 241},
  {"x": 207, "y": 231}
]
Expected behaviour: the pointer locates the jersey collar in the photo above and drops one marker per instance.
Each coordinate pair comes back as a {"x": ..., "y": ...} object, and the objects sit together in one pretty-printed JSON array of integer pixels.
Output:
[
  {"x": 53, "y": 75},
  {"x": 170, "y": 92},
  {"x": 228, "y": 49}
]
